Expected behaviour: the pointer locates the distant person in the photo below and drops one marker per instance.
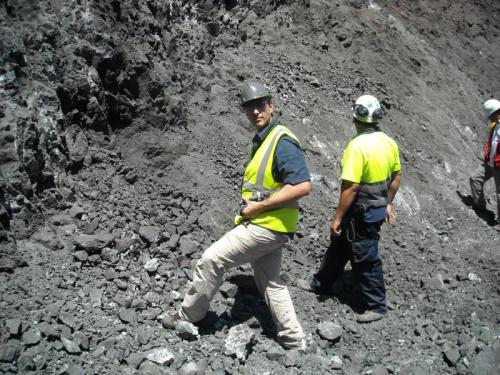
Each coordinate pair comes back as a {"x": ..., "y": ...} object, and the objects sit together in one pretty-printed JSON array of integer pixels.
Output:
[
  {"x": 275, "y": 178},
  {"x": 370, "y": 179},
  {"x": 491, "y": 161}
]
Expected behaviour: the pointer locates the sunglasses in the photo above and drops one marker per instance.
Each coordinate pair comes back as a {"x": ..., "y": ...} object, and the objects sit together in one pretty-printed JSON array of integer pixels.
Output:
[{"x": 259, "y": 104}]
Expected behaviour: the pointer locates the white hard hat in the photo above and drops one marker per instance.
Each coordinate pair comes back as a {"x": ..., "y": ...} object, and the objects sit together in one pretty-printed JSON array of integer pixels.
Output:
[
  {"x": 367, "y": 109},
  {"x": 491, "y": 106}
]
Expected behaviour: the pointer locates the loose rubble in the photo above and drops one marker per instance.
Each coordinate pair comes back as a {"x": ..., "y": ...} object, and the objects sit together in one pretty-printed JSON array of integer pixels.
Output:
[{"x": 121, "y": 152}]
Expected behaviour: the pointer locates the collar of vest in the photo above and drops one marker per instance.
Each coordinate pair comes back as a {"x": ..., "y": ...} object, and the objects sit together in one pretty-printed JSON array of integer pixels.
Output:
[
  {"x": 371, "y": 129},
  {"x": 258, "y": 191},
  {"x": 265, "y": 132}
]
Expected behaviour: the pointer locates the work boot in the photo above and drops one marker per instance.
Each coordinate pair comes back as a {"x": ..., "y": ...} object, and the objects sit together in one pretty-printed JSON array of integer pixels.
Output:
[
  {"x": 312, "y": 286},
  {"x": 369, "y": 316},
  {"x": 299, "y": 345},
  {"x": 306, "y": 345},
  {"x": 184, "y": 329}
]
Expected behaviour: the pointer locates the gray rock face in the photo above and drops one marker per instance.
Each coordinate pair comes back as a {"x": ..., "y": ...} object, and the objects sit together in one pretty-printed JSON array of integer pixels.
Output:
[
  {"x": 78, "y": 147},
  {"x": 135, "y": 359},
  {"x": 336, "y": 362},
  {"x": 110, "y": 255},
  {"x": 190, "y": 368},
  {"x": 330, "y": 331},
  {"x": 14, "y": 326},
  {"x": 76, "y": 211},
  {"x": 123, "y": 244},
  {"x": 9, "y": 351},
  {"x": 228, "y": 289},
  {"x": 150, "y": 368},
  {"x": 95, "y": 296},
  {"x": 239, "y": 340},
  {"x": 93, "y": 243},
  {"x": 186, "y": 330},
  {"x": 188, "y": 246},
  {"x": 486, "y": 362},
  {"x": 127, "y": 315},
  {"x": 451, "y": 355},
  {"x": 49, "y": 330},
  {"x": 76, "y": 370},
  {"x": 25, "y": 363},
  {"x": 215, "y": 221},
  {"x": 70, "y": 320},
  {"x": 436, "y": 282},
  {"x": 432, "y": 332},
  {"x": 70, "y": 345},
  {"x": 471, "y": 276},
  {"x": 150, "y": 234},
  {"x": 161, "y": 356},
  {"x": 152, "y": 265},
  {"x": 292, "y": 358},
  {"x": 121, "y": 115},
  {"x": 31, "y": 337},
  {"x": 81, "y": 255}
]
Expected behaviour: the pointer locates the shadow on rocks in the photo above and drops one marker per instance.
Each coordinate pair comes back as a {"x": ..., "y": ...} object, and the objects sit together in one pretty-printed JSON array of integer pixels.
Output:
[
  {"x": 346, "y": 291},
  {"x": 486, "y": 215},
  {"x": 250, "y": 307}
]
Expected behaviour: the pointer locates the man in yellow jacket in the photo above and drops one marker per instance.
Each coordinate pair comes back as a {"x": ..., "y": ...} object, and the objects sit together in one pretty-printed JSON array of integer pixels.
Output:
[
  {"x": 370, "y": 179},
  {"x": 275, "y": 178}
]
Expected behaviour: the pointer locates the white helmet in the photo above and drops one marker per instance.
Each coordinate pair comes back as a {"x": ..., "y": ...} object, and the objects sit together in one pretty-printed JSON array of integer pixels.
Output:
[
  {"x": 367, "y": 109},
  {"x": 490, "y": 107}
]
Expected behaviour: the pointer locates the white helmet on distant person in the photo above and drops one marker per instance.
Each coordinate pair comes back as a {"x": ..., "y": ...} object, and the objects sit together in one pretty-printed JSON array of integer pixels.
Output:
[
  {"x": 491, "y": 106},
  {"x": 367, "y": 109}
]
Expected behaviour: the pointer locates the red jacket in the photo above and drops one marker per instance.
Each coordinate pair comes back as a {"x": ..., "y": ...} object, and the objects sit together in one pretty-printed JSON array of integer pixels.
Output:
[{"x": 487, "y": 148}]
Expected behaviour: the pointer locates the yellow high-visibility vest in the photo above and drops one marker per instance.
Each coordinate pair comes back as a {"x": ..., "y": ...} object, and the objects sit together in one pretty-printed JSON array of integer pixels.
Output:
[
  {"x": 259, "y": 184},
  {"x": 369, "y": 160}
]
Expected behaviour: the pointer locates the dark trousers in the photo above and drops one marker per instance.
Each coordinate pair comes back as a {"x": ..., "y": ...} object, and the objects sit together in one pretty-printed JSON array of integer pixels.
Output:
[{"x": 358, "y": 243}]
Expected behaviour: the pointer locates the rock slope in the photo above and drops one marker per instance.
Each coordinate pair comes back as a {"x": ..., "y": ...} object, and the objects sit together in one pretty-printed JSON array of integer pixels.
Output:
[{"x": 122, "y": 146}]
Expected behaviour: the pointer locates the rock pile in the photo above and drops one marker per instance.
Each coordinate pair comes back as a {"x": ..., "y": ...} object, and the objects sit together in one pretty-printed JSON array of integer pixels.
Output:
[{"x": 121, "y": 151}]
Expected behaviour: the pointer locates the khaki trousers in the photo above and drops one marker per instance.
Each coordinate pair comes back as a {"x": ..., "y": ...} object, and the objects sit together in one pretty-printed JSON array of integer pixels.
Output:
[
  {"x": 477, "y": 180},
  {"x": 246, "y": 243}
]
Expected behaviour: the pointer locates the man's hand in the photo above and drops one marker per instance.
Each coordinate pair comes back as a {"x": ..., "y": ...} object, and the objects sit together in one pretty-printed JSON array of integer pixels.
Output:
[
  {"x": 251, "y": 209},
  {"x": 335, "y": 227},
  {"x": 286, "y": 195},
  {"x": 348, "y": 192},
  {"x": 390, "y": 218}
]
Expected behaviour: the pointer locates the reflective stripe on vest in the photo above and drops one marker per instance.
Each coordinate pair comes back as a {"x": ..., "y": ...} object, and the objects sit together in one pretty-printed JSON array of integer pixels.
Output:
[
  {"x": 259, "y": 184},
  {"x": 373, "y": 194}
]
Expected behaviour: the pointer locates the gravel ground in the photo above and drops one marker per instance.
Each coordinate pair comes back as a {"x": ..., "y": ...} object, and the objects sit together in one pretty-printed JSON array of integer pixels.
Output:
[{"x": 121, "y": 151}]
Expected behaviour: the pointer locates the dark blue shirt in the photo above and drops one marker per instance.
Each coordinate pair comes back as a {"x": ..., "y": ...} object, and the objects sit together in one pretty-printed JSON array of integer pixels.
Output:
[{"x": 289, "y": 163}]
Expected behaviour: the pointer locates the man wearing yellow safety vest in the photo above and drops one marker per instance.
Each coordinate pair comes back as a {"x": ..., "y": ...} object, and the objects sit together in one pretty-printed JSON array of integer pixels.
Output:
[
  {"x": 491, "y": 161},
  {"x": 275, "y": 178},
  {"x": 370, "y": 179}
]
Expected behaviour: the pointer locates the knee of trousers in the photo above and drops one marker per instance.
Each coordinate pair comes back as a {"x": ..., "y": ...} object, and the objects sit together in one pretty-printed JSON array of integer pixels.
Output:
[{"x": 208, "y": 265}]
